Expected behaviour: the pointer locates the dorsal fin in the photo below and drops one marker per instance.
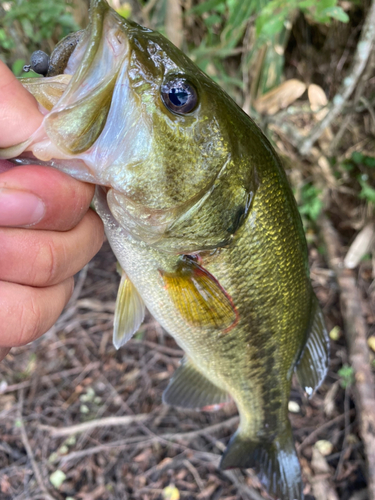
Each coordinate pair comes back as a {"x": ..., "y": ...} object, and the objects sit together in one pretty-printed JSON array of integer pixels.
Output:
[
  {"x": 199, "y": 297},
  {"x": 189, "y": 388},
  {"x": 129, "y": 312},
  {"x": 313, "y": 364}
]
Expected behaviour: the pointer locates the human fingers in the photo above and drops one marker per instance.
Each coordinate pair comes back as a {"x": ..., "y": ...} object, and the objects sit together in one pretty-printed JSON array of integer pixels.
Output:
[
  {"x": 42, "y": 198},
  {"x": 19, "y": 112},
  {"x": 44, "y": 258},
  {"x": 3, "y": 352},
  {"x": 27, "y": 312}
]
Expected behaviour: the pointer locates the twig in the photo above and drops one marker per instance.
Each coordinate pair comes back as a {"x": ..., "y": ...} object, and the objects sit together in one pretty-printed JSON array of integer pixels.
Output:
[
  {"x": 247, "y": 493},
  {"x": 52, "y": 377},
  {"x": 235, "y": 476},
  {"x": 29, "y": 451},
  {"x": 338, "y": 136},
  {"x": 349, "y": 83},
  {"x": 194, "y": 473},
  {"x": 157, "y": 347},
  {"x": 314, "y": 434},
  {"x": 370, "y": 109},
  {"x": 340, "y": 464},
  {"x": 79, "y": 285},
  {"x": 355, "y": 334},
  {"x": 123, "y": 443},
  {"x": 71, "y": 305},
  {"x": 56, "y": 432}
]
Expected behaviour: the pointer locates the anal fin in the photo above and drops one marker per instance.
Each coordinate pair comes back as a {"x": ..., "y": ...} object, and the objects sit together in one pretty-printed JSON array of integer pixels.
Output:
[
  {"x": 189, "y": 388},
  {"x": 129, "y": 312},
  {"x": 313, "y": 364}
]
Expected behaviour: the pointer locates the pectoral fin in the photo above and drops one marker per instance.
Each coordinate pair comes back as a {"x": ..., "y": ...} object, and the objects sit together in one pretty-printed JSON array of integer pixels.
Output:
[
  {"x": 199, "y": 297},
  {"x": 313, "y": 364},
  {"x": 129, "y": 312},
  {"x": 189, "y": 388}
]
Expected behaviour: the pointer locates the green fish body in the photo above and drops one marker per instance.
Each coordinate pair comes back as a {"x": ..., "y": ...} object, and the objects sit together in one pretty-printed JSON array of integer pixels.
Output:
[{"x": 201, "y": 218}]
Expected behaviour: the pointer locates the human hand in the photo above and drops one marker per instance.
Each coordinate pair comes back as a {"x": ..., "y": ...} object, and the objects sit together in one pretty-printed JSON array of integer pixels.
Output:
[{"x": 47, "y": 231}]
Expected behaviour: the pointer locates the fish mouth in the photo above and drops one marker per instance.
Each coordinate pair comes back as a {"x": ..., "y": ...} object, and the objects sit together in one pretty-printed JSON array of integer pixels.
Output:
[{"x": 78, "y": 119}]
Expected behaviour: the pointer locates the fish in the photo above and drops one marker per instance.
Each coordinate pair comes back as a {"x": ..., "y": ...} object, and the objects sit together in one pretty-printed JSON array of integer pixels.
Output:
[{"x": 199, "y": 213}]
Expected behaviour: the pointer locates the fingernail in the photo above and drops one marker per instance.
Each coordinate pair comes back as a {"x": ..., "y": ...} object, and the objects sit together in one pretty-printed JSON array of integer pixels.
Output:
[{"x": 20, "y": 208}]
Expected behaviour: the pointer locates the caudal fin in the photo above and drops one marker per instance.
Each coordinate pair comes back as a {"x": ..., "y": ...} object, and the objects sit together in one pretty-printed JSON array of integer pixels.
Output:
[{"x": 275, "y": 463}]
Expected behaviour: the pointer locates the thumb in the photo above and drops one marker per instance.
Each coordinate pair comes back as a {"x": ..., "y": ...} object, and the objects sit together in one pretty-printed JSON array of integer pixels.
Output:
[{"x": 19, "y": 112}]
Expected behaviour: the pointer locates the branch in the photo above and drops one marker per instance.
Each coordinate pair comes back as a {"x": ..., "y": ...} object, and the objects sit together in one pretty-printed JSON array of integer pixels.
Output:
[
  {"x": 349, "y": 83},
  {"x": 309, "y": 440},
  {"x": 56, "y": 432},
  {"x": 29, "y": 451},
  {"x": 355, "y": 334}
]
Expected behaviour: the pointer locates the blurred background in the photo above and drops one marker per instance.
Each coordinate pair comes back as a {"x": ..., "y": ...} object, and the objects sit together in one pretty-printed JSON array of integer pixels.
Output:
[{"x": 305, "y": 71}]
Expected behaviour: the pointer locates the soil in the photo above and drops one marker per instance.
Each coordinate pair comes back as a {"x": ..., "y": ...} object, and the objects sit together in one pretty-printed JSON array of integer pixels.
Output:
[{"x": 73, "y": 375}]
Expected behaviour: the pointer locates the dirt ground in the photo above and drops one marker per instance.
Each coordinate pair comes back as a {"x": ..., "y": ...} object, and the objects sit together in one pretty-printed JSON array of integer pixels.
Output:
[{"x": 74, "y": 376}]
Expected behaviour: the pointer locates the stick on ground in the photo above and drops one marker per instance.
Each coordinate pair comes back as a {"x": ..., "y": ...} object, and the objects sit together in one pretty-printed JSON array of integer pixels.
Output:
[{"x": 355, "y": 334}]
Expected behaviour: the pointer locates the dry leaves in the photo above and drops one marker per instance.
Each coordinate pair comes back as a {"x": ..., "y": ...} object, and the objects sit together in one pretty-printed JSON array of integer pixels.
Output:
[{"x": 280, "y": 97}]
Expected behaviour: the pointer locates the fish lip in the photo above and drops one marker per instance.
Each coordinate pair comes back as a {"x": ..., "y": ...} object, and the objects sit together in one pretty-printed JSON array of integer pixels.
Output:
[
  {"x": 100, "y": 14},
  {"x": 95, "y": 65}
]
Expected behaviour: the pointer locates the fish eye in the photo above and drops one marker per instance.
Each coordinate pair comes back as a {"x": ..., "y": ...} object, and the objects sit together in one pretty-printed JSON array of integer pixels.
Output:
[{"x": 179, "y": 96}]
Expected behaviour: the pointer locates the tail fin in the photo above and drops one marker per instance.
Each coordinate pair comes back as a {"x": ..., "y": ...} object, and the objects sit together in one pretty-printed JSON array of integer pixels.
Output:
[{"x": 275, "y": 463}]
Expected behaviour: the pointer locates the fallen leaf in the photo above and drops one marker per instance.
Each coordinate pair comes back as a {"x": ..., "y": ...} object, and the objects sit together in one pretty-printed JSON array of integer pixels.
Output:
[
  {"x": 57, "y": 478},
  {"x": 171, "y": 493},
  {"x": 325, "y": 447},
  {"x": 317, "y": 97},
  {"x": 294, "y": 407},
  {"x": 371, "y": 342},
  {"x": 280, "y": 97},
  {"x": 360, "y": 246}
]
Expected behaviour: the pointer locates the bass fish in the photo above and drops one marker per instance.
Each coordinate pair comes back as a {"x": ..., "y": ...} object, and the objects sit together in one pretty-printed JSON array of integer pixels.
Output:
[{"x": 198, "y": 211}]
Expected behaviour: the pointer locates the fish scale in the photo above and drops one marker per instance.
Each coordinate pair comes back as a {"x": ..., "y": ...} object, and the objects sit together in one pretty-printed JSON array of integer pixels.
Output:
[{"x": 198, "y": 211}]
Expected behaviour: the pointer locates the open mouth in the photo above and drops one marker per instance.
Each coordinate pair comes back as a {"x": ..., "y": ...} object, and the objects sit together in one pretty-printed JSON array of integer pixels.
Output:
[{"x": 79, "y": 117}]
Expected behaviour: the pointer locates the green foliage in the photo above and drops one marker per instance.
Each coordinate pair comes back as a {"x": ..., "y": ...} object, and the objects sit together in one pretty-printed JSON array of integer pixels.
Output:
[
  {"x": 274, "y": 15},
  {"x": 346, "y": 374},
  {"x": 39, "y": 20},
  {"x": 311, "y": 204},
  {"x": 227, "y": 20},
  {"x": 361, "y": 159},
  {"x": 17, "y": 66},
  {"x": 367, "y": 192},
  {"x": 361, "y": 166},
  {"x": 5, "y": 42}
]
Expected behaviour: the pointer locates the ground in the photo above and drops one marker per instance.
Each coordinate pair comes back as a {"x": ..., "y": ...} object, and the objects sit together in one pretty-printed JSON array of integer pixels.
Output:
[{"x": 73, "y": 375}]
